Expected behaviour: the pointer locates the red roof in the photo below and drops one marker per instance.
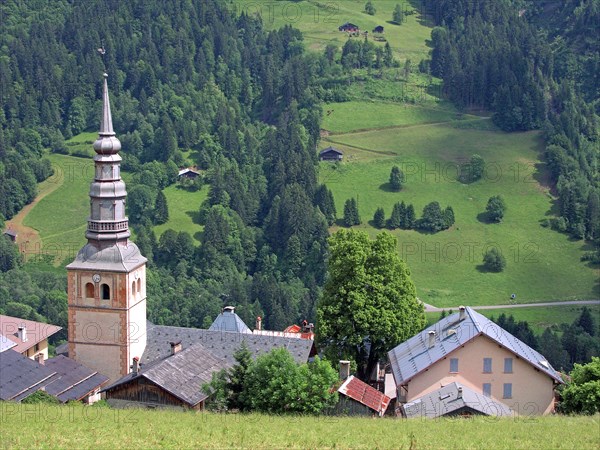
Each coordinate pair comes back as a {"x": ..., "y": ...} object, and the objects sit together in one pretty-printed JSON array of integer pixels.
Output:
[
  {"x": 365, "y": 394},
  {"x": 36, "y": 332}
]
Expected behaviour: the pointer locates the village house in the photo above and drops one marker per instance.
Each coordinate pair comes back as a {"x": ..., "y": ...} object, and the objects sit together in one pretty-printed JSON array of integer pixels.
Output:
[
  {"x": 30, "y": 337},
  {"x": 378, "y": 29},
  {"x": 60, "y": 377},
  {"x": 10, "y": 234},
  {"x": 331, "y": 154},
  {"x": 482, "y": 360}
]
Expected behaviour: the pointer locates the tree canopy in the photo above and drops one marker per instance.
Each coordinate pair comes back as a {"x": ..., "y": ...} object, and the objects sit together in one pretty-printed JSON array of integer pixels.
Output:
[{"x": 369, "y": 302}]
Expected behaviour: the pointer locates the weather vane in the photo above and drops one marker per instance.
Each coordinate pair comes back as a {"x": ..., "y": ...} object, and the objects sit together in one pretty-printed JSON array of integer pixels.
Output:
[{"x": 102, "y": 52}]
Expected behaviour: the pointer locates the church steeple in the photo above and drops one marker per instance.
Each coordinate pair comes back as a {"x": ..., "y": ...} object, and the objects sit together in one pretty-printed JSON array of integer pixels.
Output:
[
  {"x": 107, "y": 279},
  {"x": 107, "y": 222}
]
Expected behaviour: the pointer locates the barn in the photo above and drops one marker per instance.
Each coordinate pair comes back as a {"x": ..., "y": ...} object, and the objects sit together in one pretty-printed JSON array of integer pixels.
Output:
[{"x": 349, "y": 27}]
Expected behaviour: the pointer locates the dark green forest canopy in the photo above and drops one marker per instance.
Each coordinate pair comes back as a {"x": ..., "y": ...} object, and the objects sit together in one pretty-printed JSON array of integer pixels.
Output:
[
  {"x": 182, "y": 76},
  {"x": 535, "y": 64}
]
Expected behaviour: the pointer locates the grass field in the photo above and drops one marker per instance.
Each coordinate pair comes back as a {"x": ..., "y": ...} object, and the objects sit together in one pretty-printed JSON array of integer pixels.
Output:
[
  {"x": 446, "y": 266},
  {"x": 60, "y": 218},
  {"x": 183, "y": 210},
  {"x": 91, "y": 427},
  {"x": 319, "y": 22}
]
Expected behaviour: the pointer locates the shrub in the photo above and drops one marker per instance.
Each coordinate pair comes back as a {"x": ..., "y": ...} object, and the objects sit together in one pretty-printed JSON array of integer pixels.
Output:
[{"x": 493, "y": 260}]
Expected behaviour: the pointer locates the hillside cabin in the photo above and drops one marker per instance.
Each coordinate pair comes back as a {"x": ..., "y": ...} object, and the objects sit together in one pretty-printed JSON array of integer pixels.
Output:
[
  {"x": 188, "y": 173},
  {"x": 331, "y": 154},
  {"x": 349, "y": 27},
  {"x": 11, "y": 234},
  {"x": 30, "y": 337},
  {"x": 491, "y": 367},
  {"x": 378, "y": 29}
]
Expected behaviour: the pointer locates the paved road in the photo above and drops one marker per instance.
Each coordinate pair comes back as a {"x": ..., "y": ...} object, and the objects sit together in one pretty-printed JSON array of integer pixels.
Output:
[{"x": 431, "y": 308}]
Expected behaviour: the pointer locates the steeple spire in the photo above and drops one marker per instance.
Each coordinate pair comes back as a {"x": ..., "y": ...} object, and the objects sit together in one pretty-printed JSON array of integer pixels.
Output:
[
  {"x": 106, "y": 126},
  {"x": 107, "y": 223}
]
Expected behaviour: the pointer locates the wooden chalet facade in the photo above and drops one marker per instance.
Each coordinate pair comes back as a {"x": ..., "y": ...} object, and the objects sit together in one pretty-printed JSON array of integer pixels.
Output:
[
  {"x": 142, "y": 392},
  {"x": 349, "y": 27},
  {"x": 331, "y": 154}
]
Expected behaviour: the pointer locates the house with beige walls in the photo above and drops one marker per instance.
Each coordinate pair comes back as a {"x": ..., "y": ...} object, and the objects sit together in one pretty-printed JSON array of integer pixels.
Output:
[
  {"x": 482, "y": 361},
  {"x": 30, "y": 338}
]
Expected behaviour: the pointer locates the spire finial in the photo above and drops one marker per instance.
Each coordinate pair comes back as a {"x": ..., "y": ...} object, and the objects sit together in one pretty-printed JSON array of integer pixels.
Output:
[{"x": 106, "y": 126}]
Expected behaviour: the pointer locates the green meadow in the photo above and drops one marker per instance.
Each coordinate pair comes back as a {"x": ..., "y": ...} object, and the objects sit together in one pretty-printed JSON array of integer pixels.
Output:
[
  {"x": 319, "y": 22},
  {"x": 60, "y": 218},
  {"x": 184, "y": 207},
  {"x": 76, "y": 426},
  {"x": 542, "y": 265}
]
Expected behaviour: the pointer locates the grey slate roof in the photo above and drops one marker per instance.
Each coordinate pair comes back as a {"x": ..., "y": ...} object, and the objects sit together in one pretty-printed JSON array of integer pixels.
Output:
[
  {"x": 21, "y": 376},
  {"x": 331, "y": 149},
  {"x": 222, "y": 344},
  {"x": 115, "y": 258},
  {"x": 447, "y": 400},
  {"x": 228, "y": 320},
  {"x": 6, "y": 343},
  {"x": 75, "y": 380},
  {"x": 413, "y": 356},
  {"x": 182, "y": 374}
]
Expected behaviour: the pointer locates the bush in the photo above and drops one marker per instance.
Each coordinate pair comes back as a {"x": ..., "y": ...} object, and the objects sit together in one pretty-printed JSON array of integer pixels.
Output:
[
  {"x": 494, "y": 261},
  {"x": 40, "y": 397},
  {"x": 582, "y": 393},
  {"x": 495, "y": 208},
  {"x": 370, "y": 9}
]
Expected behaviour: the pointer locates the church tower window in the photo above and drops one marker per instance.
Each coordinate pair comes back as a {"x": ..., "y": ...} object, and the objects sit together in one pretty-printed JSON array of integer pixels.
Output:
[
  {"x": 105, "y": 292},
  {"x": 89, "y": 290}
]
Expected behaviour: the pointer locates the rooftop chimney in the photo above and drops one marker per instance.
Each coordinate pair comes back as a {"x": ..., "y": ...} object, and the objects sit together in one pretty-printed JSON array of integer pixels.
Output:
[
  {"x": 39, "y": 358},
  {"x": 462, "y": 313},
  {"x": 431, "y": 339},
  {"x": 344, "y": 370},
  {"x": 459, "y": 395},
  {"x": 22, "y": 333},
  {"x": 175, "y": 347},
  {"x": 135, "y": 367},
  {"x": 230, "y": 309},
  {"x": 258, "y": 323}
]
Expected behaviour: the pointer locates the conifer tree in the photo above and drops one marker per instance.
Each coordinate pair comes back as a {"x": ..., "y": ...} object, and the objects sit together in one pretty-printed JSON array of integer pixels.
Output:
[
  {"x": 379, "y": 218},
  {"x": 161, "y": 209}
]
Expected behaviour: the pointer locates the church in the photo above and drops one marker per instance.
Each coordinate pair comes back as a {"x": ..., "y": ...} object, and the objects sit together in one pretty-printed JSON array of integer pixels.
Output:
[{"x": 107, "y": 326}]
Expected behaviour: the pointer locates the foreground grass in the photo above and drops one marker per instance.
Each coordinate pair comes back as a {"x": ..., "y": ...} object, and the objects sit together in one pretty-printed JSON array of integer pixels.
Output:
[{"x": 90, "y": 427}]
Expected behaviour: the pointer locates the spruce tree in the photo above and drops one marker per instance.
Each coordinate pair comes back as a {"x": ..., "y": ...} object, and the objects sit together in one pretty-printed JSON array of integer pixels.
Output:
[
  {"x": 379, "y": 218},
  {"x": 448, "y": 216},
  {"x": 396, "y": 178},
  {"x": 161, "y": 209},
  {"x": 410, "y": 217},
  {"x": 396, "y": 218},
  {"x": 398, "y": 15}
]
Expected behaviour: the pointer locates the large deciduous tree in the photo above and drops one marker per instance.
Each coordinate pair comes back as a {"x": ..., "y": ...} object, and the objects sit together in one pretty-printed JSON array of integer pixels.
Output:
[{"x": 369, "y": 302}]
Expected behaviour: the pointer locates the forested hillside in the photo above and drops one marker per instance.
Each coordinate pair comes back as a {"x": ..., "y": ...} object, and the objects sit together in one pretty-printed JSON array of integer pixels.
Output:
[
  {"x": 535, "y": 64},
  {"x": 190, "y": 83}
]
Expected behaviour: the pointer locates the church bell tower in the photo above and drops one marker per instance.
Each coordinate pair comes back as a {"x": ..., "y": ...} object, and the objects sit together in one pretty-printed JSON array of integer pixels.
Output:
[{"x": 107, "y": 279}]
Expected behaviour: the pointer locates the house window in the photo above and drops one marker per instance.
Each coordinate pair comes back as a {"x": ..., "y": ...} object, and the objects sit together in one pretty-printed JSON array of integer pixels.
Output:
[
  {"x": 454, "y": 365},
  {"x": 487, "y": 365},
  {"x": 508, "y": 365},
  {"x": 507, "y": 392},
  {"x": 487, "y": 389},
  {"x": 89, "y": 290},
  {"x": 105, "y": 292}
]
